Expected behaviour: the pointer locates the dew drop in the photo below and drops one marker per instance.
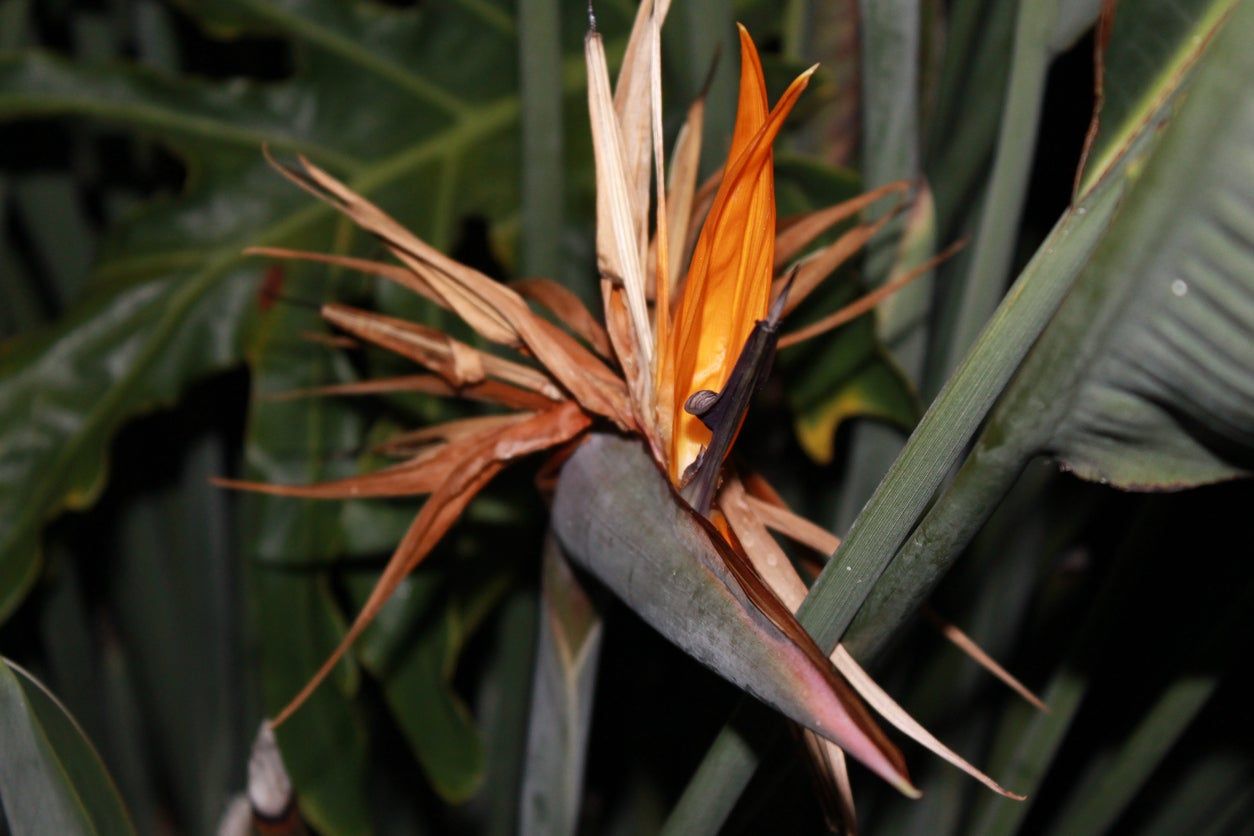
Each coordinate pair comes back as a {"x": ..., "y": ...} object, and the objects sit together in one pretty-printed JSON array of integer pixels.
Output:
[{"x": 1179, "y": 287}]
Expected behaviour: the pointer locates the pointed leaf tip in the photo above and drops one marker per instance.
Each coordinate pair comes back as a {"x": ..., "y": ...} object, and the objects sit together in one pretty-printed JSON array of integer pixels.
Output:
[{"x": 655, "y": 554}]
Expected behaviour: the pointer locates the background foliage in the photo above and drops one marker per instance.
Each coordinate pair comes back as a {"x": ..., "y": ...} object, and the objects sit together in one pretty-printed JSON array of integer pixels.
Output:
[{"x": 140, "y": 357}]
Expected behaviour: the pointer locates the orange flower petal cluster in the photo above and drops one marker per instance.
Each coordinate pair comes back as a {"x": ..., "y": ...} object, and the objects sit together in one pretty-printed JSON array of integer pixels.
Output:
[{"x": 729, "y": 281}]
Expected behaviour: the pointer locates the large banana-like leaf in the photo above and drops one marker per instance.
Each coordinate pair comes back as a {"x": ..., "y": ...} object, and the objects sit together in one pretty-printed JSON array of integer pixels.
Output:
[
  {"x": 1145, "y": 378},
  {"x": 414, "y": 107}
]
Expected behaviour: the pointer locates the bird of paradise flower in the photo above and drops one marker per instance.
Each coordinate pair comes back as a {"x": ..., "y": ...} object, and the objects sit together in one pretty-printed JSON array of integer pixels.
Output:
[{"x": 680, "y": 379}]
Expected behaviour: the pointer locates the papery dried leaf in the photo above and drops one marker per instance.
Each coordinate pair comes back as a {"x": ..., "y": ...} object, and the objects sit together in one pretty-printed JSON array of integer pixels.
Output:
[
  {"x": 775, "y": 515},
  {"x": 423, "y": 473},
  {"x": 455, "y": 361},
  {"x": 492, "y": 309},
  {"x": 567, "y": 307},
  {"x": 794, "y": 526},
  {"x": 618, "y": 325},
  {"x": 891, "y": 711},
  {"x": 618, "y": 242},
  {"x": 681, "y": 191},
  {"x": 813, "y": 271},
  {"x": 831, "y": 770},
  {"x": 970, "y": 647},
  {"x": 487, "y": 391},
  {"x": 477, "y": 467},
  {"x": 632, "y": 108},
  {"x": 679, "y": 574},
  {"x": 587, "y": 379},
  {"x": 454, "y": 430},
  {"x": 862, "y": 305},
  {"x": 662, "y": 273},
  {"x": 464, "y": 295},
  {"x": 330, "y": 340},
  {"x": 778, "y": 571},
  {"x": 392, "y": 272},
  {"x": 796, "y": 233}
]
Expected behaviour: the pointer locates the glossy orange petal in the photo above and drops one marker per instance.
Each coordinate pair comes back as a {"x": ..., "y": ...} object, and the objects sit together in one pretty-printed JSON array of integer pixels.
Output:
[{"x": 729, "y": 280}]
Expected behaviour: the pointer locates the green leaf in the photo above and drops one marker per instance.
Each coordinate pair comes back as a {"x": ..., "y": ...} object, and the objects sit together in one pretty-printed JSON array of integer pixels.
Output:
[
  {"x": 846, "y": 373},
  {"x": 502, "y": 715},
  {"x": 1028, "y": 740},
  {"x": 51, "y": 779},
  {"x": 323, "y": 744},
  {"x": 1113, "y": 779},
  {"x": 963, "y": 121},
  {"x": 826, "y": 33},
  {"x": 1152, "y": 46},
  {"x": 396, "y": 100},
  {"x": 1143, "y": 379},
  {"x": 289, "y": 545},
  {"x": 1098, "y": 803},
  {"x": 562, "y": 690},
  {"x": 652, "y": 553},
  {"x": 174, "y": 597}
]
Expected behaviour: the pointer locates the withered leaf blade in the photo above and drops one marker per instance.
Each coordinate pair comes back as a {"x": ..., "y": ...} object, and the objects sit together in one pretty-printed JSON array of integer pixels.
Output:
[
  {"x": 662, "y": 560},
  {"x": 458, "y": 363},
  {"x": 486, "y": 391},
  {"x": 567, "y": 307},
  {"x": 618, "y": 241},
  {"x": 797, "y": 232},
  {"x": 493, "y": 310},
  {"x": 477, "y": 466}
]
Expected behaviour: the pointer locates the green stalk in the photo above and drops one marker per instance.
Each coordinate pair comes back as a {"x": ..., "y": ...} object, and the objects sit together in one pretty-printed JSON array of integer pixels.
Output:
[
  {"x": 503, "y": 715},
  {"x": 979, "y": 291},
  {"x": 890, "y": 95},
  {"x": 540, "y": 82},
  {"x": 963, "y": 128},
  {"x": 720, "y": 779},
  {"x": 890, "y": 42},
  {"x": 938, "y": 442},
  {"x": 949, "y": 527},
  {"x": 796, "y": 14}
]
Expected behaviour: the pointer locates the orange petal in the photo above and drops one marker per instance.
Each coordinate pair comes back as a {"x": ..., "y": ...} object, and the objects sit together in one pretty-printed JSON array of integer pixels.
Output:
[{"x": 729, "y": 281}]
